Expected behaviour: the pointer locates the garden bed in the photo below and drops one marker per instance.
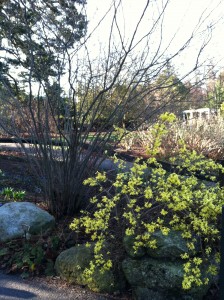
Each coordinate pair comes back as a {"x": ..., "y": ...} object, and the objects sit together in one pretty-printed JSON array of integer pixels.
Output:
[{"x": 19, "y": 176}]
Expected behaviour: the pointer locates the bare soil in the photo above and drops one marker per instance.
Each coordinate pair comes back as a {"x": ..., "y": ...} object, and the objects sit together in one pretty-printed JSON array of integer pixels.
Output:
[{"x": 18, "y": 175}]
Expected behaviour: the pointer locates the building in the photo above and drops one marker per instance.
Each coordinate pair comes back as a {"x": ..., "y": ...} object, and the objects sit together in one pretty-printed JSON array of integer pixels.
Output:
[{"x": 191, "y": 115}]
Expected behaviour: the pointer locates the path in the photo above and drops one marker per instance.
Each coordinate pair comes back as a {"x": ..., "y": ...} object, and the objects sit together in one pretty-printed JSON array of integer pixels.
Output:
[{"x": 13, "y": 287}]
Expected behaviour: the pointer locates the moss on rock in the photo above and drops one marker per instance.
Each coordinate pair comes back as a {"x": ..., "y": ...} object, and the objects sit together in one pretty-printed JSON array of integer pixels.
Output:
[{"x": 71, "y": 264}]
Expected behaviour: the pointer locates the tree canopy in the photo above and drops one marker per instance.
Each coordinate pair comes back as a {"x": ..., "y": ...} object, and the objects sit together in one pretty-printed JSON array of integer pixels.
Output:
[
  {"x": 35, "y": 38},
  {"x": 48, "y": 70}
]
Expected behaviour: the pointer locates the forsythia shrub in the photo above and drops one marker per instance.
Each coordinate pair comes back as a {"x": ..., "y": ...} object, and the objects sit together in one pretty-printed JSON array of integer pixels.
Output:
[{"x": 148, "y": 198}]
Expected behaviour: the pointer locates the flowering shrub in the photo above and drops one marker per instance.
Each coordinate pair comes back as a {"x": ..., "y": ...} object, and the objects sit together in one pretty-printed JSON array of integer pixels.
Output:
[{"x": 148, "y": 198}]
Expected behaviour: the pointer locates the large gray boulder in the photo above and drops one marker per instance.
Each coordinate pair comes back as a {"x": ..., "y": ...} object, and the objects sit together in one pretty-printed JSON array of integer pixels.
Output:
[
  {"x": 18, "y": 218},
  {"x": 71, "y": 263},
  {"x": 142, "y": 293},
  {"x": 168, "y": 246},
  {"x": 152, "y": 273},
  {"x": 128, "y": 242},
  {"x": 158, "y": 279},
  {"x": 70, "y": 266},
  {"x": 110, "y": 165},
  {"x": 171, "y": 245}
]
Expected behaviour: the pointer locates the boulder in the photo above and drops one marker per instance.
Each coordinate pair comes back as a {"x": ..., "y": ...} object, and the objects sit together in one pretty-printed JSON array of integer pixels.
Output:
[
  {"x": 128, "y": 242},
  {"x": 171, "y": 245},
  {"x": 168, "y": 246},
  {"x": 110, "y": 165},
  {"x": 141, "y": 293},
  {"x": 158, "y": 279},
  {"x": 18, "y": 218},
  {"x": 70, "y": 266},
  {"x": 152, "y": 273}
]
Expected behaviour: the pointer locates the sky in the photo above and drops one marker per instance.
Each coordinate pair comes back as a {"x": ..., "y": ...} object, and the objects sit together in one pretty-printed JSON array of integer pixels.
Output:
[{"x": 180, "y": 19}]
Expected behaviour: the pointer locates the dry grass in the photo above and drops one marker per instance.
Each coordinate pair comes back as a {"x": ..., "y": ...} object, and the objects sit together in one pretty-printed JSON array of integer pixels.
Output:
[{"x": 203, "y": 136}]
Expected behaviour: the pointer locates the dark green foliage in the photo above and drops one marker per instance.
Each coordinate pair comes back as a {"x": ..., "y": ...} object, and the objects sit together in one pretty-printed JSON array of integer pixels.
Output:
[
  {"x": 33, "y": 256},
  {"x": 35, "y": 41},
  {"x": 38, "y": 33}
]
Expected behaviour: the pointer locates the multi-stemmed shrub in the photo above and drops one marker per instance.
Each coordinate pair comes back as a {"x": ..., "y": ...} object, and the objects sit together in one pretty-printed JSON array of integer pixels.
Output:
[{"x": 146, "y": 198}]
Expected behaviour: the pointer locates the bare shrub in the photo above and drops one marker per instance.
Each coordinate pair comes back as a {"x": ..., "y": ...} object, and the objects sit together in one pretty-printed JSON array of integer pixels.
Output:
[{"x": 61, "y": 92}]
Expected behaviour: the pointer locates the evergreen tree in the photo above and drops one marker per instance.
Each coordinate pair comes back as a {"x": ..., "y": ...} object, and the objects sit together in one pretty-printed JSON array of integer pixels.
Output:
[{"x": 34, "y": 35}]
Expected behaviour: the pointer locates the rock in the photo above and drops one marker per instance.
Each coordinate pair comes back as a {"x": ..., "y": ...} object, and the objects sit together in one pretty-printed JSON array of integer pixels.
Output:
[
  {"x": 171, "y": 245},
  {"x": 128, "y": 242},
  {"x": 153, "y": 274},
  {"x": 168, "y": 246},
  {"x": 107, "y": 165},
  {"x": 141, "y": 293},
  {"x": 110, "y": 165},
  {"x": 71, "y": 263},
  {"x": 16, "y": 218},
  {"x": 153, "y": 278}
]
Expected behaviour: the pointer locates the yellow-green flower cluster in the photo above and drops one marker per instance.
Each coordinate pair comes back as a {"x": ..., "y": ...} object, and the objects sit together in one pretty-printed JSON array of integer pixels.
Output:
[{"x": 144, "y": 200}]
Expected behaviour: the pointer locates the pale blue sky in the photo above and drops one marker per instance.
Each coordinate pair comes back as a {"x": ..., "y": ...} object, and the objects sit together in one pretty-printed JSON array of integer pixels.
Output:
[{"x": 180, "y": 19}]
